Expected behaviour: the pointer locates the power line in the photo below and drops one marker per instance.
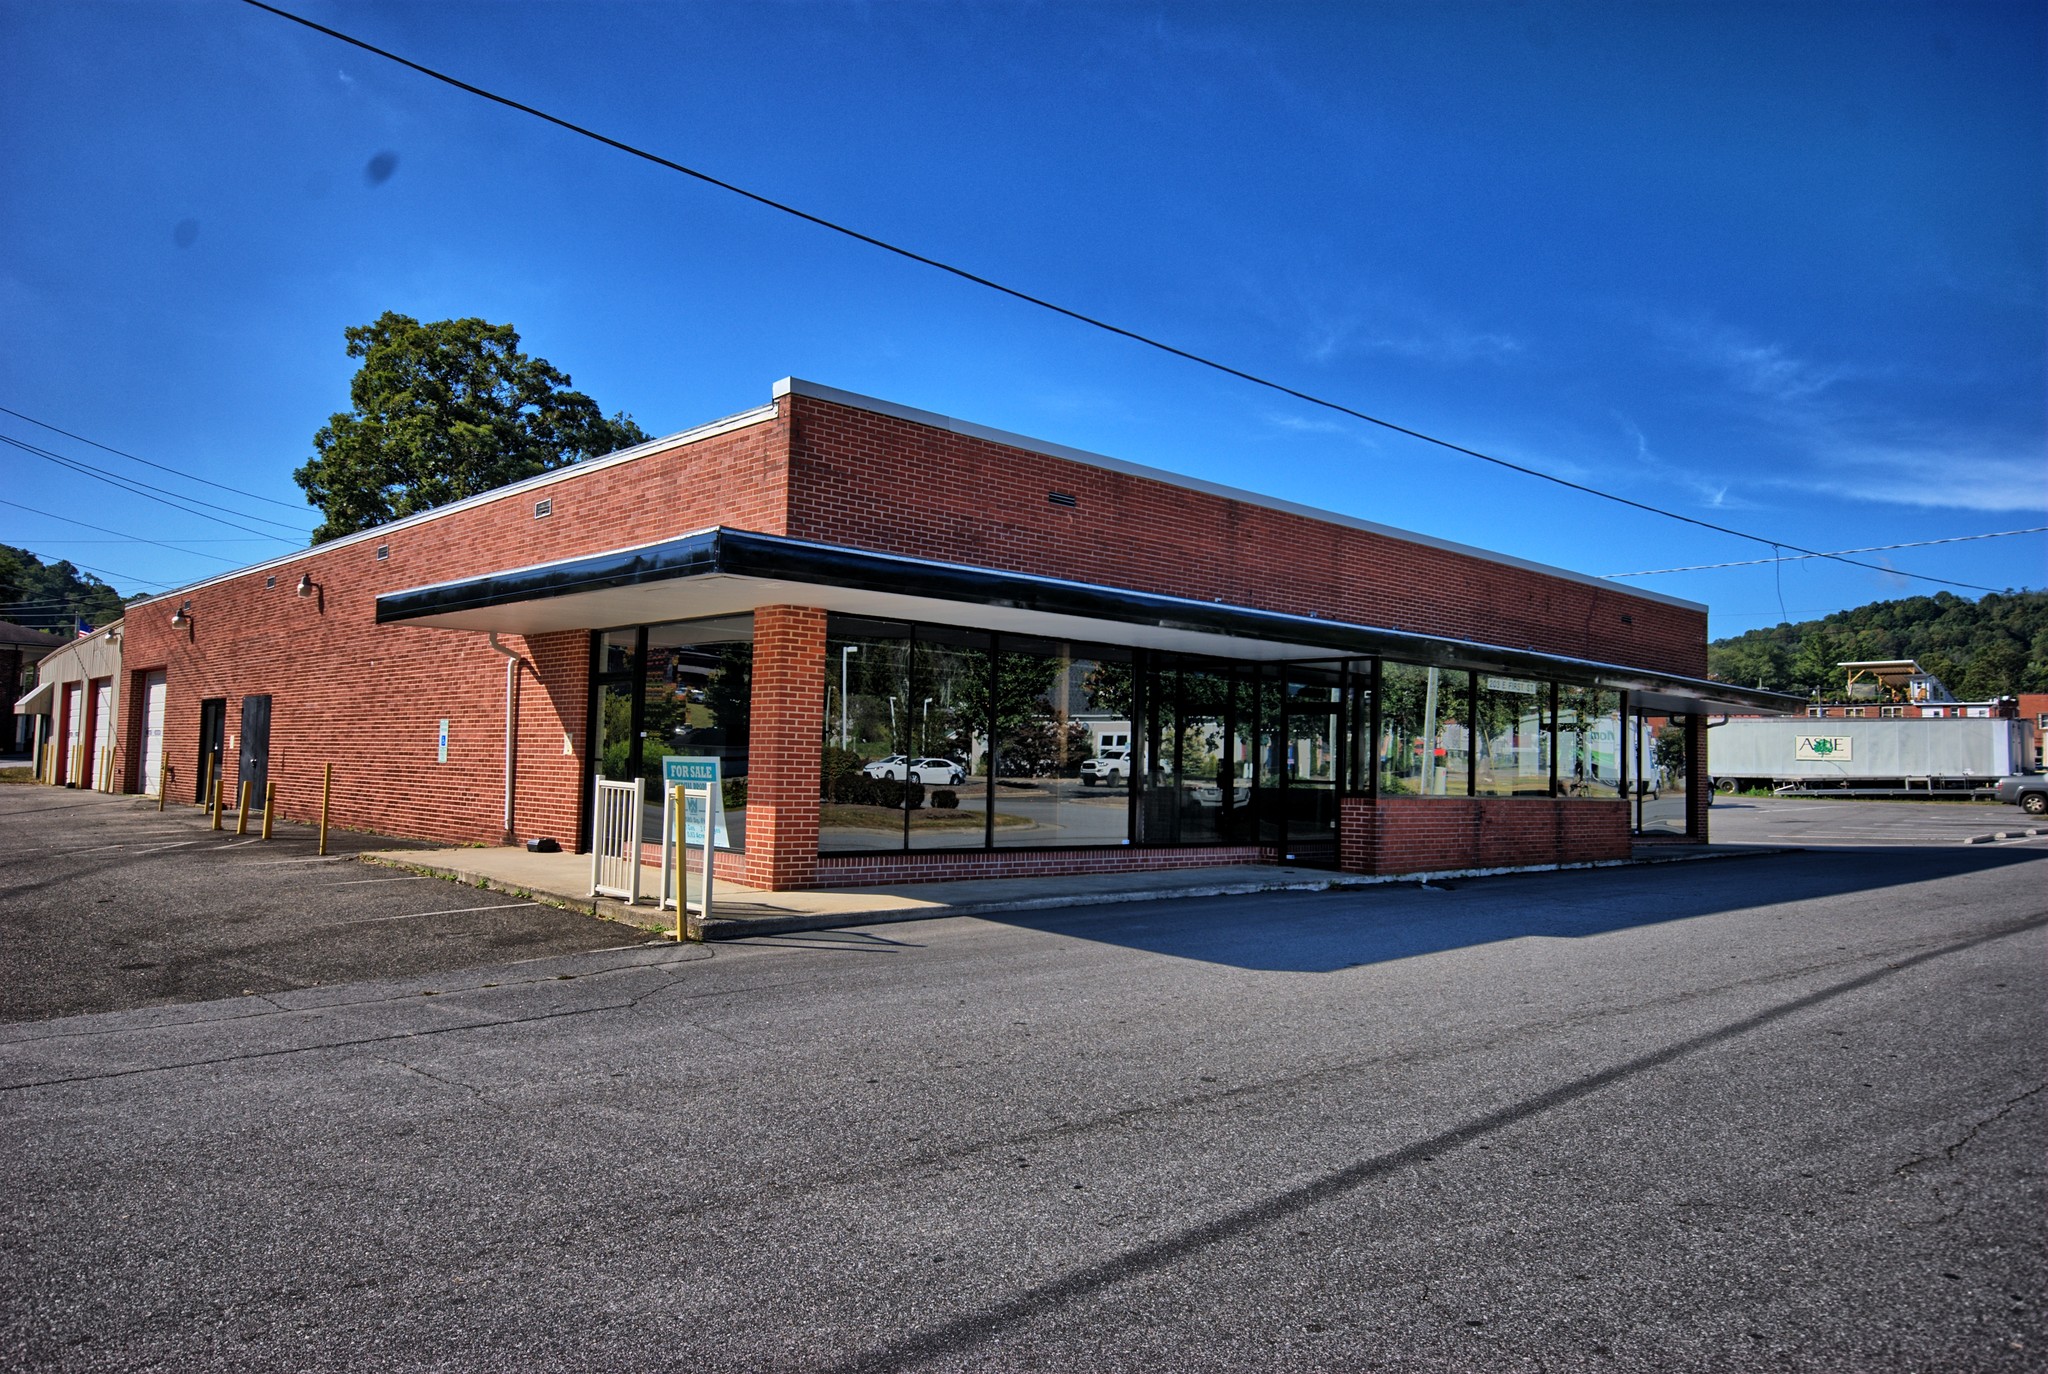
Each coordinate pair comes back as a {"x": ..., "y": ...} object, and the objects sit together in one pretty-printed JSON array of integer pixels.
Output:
[
  {"x": 48, "y": 515},
  {"x": 123, "y": 453},
  {"x": 143, "y": 489},
  {"x": 103, "y": 572},
  {"x": 1794, "y": 558},
  {"x": 1076, "y": 315}
]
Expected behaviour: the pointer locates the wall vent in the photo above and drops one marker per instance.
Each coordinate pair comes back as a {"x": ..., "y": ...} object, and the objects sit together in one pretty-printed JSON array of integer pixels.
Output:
[
  {"x": 1061, "y": 498},
  {"x": 542, "y": 509},
  {"x": 383, "y": 552},
  {"x": 269, "y": 582}
]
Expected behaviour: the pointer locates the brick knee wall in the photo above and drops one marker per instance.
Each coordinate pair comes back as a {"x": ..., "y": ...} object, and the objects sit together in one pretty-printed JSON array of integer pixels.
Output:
[
  {"x": 1432, "y": 834},
  {"x": 941, "y": 865}
]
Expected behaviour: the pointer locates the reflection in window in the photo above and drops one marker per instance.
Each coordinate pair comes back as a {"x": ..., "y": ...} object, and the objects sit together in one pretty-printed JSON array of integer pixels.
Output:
[
  {"x": 1059, "y": 780},
  {"x": 867, "y": 762},
  {"x": 1513, "y": 731},
  {"x": 1425, "y": 743},
  {"x": 697, "y": 701},
  {"x": 947, "y": 749},
  {"x": 1589, "y": 742}
]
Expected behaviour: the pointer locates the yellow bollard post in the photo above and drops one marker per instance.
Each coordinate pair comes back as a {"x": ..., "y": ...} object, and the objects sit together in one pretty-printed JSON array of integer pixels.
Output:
[
  {"x": 206, "y": 788},
  {"x": 217, "y": 784},
  {"x": 269, "y": 803},
  {"x": 326, "y": 791},
  {"x": 242, "y": 821},
  {"x": 163, "y": 775},
  {"x": 682, "y": 864}
]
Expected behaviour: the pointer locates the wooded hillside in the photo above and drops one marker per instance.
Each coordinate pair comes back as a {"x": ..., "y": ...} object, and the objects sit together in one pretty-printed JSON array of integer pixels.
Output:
[
  {"x": 1994, "y": 646},
  {"x": 52, "y": 596}
]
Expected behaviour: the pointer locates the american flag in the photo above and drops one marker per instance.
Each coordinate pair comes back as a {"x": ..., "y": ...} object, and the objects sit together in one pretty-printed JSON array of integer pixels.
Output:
[{"x": 83, "y": 628}]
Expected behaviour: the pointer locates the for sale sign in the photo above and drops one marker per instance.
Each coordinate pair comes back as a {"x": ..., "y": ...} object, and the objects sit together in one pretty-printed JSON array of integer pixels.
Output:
[{"x": 1821, "y": 749}]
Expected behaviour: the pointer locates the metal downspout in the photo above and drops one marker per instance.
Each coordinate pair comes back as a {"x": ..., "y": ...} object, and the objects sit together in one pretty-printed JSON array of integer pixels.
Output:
[{"x": 512, "y": 662}]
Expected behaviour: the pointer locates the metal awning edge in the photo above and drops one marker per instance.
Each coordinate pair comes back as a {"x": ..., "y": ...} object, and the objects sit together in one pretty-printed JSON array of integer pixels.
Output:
[{"x": 748, "y": 554}]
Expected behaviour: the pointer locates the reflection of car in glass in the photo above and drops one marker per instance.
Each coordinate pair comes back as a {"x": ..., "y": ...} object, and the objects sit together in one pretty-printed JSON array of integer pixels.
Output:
[
  {"x": 929, "y": 770},
  {"x": 1112, "y": 765},
  {"x": 1211, "y": 794}
]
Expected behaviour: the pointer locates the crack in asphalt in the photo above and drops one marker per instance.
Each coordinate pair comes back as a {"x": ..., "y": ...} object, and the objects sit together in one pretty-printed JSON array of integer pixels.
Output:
[
  {"x": 482, "y": 1098},
  {"x": 975, "y": 1329},
  {"x": 1948, "y": 1152}
]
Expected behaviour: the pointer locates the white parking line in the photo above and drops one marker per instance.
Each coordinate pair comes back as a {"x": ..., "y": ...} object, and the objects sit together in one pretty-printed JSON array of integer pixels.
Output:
[
  {"x": 412, "y": 878},
  {"x": 273, "y": 863},
  {"x": 415, "y": 915}
]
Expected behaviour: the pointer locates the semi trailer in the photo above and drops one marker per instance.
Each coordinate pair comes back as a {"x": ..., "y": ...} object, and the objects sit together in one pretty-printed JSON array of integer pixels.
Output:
[{"x": 1898, "y": 755}]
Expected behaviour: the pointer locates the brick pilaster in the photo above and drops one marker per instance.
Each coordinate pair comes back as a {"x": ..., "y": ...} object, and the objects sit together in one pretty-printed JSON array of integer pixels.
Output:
[{"x": 783, "y": 758}]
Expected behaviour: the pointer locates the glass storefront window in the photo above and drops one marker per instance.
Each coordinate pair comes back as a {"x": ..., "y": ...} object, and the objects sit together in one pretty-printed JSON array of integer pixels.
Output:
[
  {"x": 947, "y": 748},
  {"x": 1424, "y": 749},
  {"x": 867, "y": 760},
  {"x": 1512, "y": 727},
  {"x": 1588, "y": 742},
  {"x": 685, "y": 687},
  {"x": 1057, "y": 778}
]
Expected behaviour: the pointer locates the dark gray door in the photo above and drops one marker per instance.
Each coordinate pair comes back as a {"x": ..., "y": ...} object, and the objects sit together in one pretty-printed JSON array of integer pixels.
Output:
[
  {"x": 213, "y": 713},
  {"x": 255, "y": 768}
]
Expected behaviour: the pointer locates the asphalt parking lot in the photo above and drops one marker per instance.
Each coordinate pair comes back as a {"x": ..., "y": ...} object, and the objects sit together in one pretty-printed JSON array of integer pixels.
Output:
[
  {"x": 107, "y": 905},
  {"x": 1825, "y": 823}
]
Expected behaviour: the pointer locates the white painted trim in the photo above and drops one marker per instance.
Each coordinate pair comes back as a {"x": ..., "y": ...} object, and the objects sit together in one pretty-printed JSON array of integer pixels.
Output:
[
  {"x": 743, "y": 420},
  {"x": 796, "y": 386}
]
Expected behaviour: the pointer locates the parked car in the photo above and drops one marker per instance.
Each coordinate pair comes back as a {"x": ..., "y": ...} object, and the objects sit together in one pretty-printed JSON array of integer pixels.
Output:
[
  {"x": 2027, "y": 791},
  {"x": 1113, "y": 764},
  {"x": 1211, "y": 794},
  {"x": 930, "y": 771}
]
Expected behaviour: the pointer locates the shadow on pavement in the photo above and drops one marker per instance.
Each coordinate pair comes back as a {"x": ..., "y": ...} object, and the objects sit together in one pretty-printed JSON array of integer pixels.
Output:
[{"x": 1324, "y": 932}]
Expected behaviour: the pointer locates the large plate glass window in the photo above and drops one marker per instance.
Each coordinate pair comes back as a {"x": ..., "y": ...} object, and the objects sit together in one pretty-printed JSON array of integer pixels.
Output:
[
  {"x": 1589, "y": 743},
  {"x": 1513, "y": 733},
  {"x": 1061, "y": 717},
  {"x": 1424, "y": 749}
]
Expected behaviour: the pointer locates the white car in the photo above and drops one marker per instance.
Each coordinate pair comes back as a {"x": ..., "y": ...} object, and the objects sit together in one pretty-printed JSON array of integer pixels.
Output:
[
  {"x": 1112, "y": 765},
  {"x": 1211, "y": 794},
  {"x": 930, "y": 771}
]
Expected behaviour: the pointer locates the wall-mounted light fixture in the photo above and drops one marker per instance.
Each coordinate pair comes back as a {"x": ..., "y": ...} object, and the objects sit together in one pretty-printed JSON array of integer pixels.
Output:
[
  {"x": 308, "y": 587},
  {"x": 181, "y": 619}
]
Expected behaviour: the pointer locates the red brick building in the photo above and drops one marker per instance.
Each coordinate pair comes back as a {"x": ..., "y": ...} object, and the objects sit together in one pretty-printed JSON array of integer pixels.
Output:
[{"x": 904, "y": 635}]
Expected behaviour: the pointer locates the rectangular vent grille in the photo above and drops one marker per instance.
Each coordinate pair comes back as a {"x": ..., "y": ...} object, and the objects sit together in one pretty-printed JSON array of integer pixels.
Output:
[
  {"x": 383, "y": 552},
  {"x": 1061, "y": 498},
  {"x": 269, "y": 582},
  {"x": 542, "y": 509}
]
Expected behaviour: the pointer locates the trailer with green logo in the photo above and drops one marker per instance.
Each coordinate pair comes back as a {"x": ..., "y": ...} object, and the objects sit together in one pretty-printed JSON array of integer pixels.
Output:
[{"x": 1870, "y": 757}]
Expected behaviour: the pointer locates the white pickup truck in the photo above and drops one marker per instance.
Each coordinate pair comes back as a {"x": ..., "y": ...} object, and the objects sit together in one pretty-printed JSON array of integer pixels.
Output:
[{"x": 1112, "y": 765}]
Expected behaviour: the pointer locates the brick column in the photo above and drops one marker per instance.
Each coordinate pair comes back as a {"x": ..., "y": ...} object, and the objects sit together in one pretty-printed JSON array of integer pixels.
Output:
[
  {"x": 783, "y": 756},
  {"x": 1699, "y": 786}
]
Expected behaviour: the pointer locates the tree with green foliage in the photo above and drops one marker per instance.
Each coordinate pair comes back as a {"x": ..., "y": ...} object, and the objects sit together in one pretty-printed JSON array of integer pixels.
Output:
[
  {"x": 1994, "y": 646},
  {"x": 53, "y": 596},
  {"x": 444, "y": 410}
]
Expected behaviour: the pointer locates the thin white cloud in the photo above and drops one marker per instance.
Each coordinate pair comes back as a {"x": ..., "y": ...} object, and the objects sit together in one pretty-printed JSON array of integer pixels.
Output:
[
  {"x": 1959, "y": 475},
  {"x": 1755, "y": 366}
]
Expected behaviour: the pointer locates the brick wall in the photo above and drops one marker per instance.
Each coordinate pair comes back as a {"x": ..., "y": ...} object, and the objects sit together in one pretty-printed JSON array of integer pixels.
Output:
[
  {"x": 867, "y": 870},
  {"x": 369, "y": 699},
  {"x": 1435, "y": 834},
  {"x": 877, "y": 482}
]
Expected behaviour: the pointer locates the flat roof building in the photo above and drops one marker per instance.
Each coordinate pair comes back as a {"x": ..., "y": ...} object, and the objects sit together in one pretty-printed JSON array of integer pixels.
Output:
[{"x": 922, "y": 648}]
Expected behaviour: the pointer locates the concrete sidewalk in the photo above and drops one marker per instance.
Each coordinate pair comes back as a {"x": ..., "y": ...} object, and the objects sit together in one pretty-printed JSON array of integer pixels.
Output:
[{"x": 738, "y": 911}]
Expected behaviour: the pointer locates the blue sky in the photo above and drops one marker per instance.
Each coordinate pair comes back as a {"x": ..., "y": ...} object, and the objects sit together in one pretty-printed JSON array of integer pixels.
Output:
[{"x": 1778, "y": 267}]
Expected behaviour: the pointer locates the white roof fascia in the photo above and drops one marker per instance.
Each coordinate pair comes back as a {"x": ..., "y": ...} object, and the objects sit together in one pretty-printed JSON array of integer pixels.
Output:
[
  {"x": 798, "y": 387},
  {"x": 746, "y": 418}
]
